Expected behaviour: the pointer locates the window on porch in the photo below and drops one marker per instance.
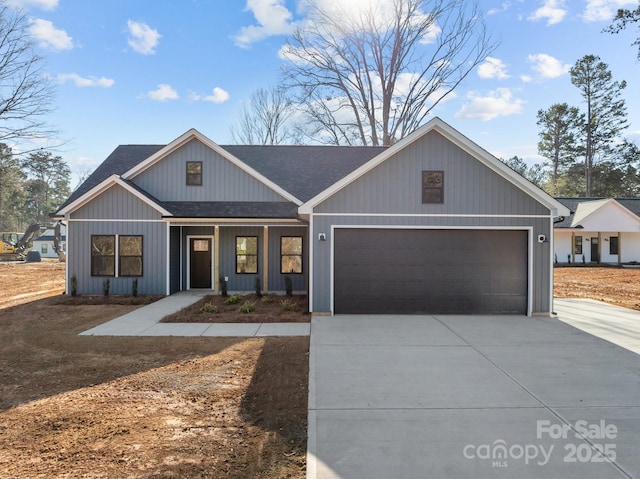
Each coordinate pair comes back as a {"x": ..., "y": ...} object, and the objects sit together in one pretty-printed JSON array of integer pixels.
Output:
[
  {"x": 246, "y": 254},
  {"x": 291, "y": 254},
  {"x": 577, "y": 245}
]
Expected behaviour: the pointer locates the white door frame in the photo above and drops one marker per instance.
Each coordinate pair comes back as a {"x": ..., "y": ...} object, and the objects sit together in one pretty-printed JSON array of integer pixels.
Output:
[{"x": 189, "y": 238}]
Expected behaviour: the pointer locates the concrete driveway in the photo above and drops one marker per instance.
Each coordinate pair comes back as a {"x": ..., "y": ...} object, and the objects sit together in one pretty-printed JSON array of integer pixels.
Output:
[{"x": 461, "y": 396}]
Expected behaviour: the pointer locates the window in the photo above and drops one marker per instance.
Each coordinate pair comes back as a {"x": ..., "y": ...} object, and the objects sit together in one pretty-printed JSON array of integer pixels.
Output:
[
  {"x": 44, "y": 249},
  {"x": 613, "y": 245},
  {"x": 194, "y": 173},
  {"x": 246, "y": 254},
  {"x": 577, "y": 245},
  {"x": 433, "y": 186},
  {"x": 103, "y": 255},
  {"x": 291, "y": 254},
  {"x": 130, "y": 255}
]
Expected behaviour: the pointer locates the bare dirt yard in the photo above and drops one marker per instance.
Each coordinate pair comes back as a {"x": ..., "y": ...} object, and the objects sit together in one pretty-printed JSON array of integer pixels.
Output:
[
  {"x": 619, "y": 286},
  {"x": 83, "y": 406}
]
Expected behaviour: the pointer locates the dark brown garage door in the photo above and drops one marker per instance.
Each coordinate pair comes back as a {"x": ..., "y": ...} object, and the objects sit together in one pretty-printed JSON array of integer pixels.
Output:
[{"x": 382, "y": 271}]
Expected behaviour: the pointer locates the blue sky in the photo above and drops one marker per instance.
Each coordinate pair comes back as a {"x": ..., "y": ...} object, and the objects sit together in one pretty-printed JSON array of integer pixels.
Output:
[{"x": 145, "y": 71}]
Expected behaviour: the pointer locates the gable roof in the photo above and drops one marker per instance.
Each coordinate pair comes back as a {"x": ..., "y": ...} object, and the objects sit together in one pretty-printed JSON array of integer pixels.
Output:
[
  {"x": 303, "y": 171},
  {"x": 194, "y": 134},
  {"x": 103, "y": 186},
  {"x": 583, "y": 208},
  {"x": 122, "y": 159},
  {"x": 454, "y": 136}
]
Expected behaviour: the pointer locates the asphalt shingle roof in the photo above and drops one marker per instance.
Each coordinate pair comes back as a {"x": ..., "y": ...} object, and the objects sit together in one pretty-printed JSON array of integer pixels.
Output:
[
  {"x": 231, "y": 209},
  {"x": 303, "y": 171},
  {"x": 632, "y": 204}
]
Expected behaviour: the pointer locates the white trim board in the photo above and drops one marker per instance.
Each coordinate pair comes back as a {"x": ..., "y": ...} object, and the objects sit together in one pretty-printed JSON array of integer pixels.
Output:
[
  {"x": 436, "y": 124},
  {"x": 194, "y": 134},
  {"x": 104, "y": 186}
]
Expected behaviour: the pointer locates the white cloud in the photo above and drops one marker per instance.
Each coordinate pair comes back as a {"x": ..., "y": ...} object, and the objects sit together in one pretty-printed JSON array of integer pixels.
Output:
[
  {"x": 604, "y": 10},
  {"x": 218, "y": 95},
  {"x": 503, "y": 8},
  {"x": 164, "y": 92},
  {"x": 83, "y": 82},
  {"x": 143, "y": 39},
  {"x": 493, "y": 68},
  {"x": 50, "y": 36},
  {"x": 553, "y": 11},
  {"x": 499, "y": 102},
  {"x": 272, "y": 17},
  {"x": 42, "y": 4},
  {"x": 547, "y": 66}
]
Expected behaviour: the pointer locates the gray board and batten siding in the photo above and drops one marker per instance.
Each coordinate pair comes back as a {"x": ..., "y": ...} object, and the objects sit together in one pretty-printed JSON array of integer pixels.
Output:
[
  {"x": 117, "y": 212},
  {"x": 390, "y": 196},
  {"x": 221, "y": 179}
]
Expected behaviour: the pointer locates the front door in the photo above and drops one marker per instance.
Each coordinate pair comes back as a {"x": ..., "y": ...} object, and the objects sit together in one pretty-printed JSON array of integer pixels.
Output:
[
  {"x": 200, "y": 263},
  {"x": 595, "y": 256}
]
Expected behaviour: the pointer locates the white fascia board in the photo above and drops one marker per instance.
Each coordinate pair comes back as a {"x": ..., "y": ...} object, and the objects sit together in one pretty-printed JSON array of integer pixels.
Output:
[
  {"x": 195, "y": 134},
  {"x": 453, "y": 135},
  {"x": 615, "y": 204},
  {"x": 104, "y": 186}
]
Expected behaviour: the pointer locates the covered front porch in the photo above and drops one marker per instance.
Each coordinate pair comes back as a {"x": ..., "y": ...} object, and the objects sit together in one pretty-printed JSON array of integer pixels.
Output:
[{"x": 206, "y": 254}]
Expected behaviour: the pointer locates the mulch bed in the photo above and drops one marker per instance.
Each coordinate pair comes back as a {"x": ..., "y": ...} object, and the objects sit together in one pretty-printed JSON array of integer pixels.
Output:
[{"x": 266, "y": 309}]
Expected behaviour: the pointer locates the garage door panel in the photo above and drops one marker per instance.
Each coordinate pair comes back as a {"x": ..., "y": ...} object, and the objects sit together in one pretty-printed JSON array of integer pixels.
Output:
[{"x": 430, "y": 271}]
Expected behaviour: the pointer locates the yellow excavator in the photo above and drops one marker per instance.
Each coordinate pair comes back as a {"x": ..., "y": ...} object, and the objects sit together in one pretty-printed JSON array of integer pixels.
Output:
[{"x": 13, "y": 244}]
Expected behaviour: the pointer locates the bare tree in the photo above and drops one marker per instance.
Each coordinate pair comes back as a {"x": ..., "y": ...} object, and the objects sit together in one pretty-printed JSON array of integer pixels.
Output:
[
  {"x": 264, "y": 120},
  {"x": 371, "y": 75},
  {"x": 26, "y": 92}
]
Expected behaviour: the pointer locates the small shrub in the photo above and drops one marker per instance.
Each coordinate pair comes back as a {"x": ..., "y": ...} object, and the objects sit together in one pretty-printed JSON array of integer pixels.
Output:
[
  {"x": 106, "y": 285},
  {"x": 288, "y": 305},
  {"x": 555, "y": 258},
  {"x": 569, "y": 258},
  {"x": 267, "y": 299},
  {"x": 248, "y": 307},
  {"x": 74, "y": 286},
  {"x": 583, "y": 260},
  {"x": 223, "y": 286},
  {"x": 258, "y": 287},
  {"x": 288, "y": 285},
  {"x": 134, "y": 288},
  {"x": 209, "y": 308},
  {"x": 233, "y": 299}
]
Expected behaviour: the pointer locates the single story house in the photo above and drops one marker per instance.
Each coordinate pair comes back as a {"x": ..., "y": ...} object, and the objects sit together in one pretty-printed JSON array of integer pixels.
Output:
[
  {"x": 432, "y": 224},
  {"x": 599, "y": 230},
  {"x": 43, "y": 244}
]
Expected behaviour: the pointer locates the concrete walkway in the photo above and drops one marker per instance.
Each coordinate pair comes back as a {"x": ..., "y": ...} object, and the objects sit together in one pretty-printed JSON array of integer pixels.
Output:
[
  {"x": 145, "y": 321},
  {"x": 469, "y": 396}
]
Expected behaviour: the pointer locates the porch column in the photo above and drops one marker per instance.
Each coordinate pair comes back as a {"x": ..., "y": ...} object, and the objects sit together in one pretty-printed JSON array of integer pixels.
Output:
[
  {"x": 265, "y": 260},
  {"x": 599, "y": 247},
  {"x": 216, "y": 259},
  {"x": 619, "y": 248},
  {"x": 573, "y": 248}
]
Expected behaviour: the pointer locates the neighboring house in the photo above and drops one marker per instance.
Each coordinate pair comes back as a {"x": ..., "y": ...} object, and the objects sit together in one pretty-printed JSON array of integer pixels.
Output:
[
  {"x": 432, "y": 224},
  {"x": 43, "y": 244},
  {"x": 599, "y": 230}
]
